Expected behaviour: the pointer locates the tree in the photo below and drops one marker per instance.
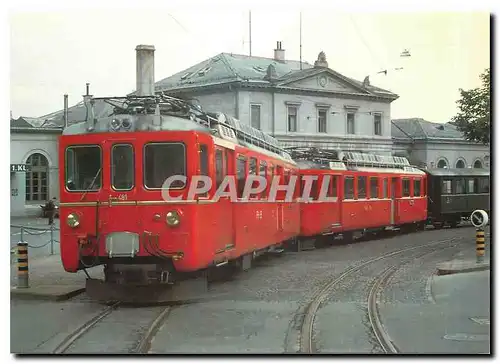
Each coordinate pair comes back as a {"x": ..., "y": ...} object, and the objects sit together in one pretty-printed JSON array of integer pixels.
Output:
[{"x": 473, "y": 119}]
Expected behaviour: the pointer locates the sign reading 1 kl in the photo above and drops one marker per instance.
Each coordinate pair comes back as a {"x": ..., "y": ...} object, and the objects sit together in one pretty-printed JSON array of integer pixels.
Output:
[{"x": 19, "y": 168}]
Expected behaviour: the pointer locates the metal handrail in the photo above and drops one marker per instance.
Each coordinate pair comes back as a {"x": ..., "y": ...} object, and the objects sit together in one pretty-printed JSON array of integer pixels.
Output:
[{"x": 36, "y": 231}]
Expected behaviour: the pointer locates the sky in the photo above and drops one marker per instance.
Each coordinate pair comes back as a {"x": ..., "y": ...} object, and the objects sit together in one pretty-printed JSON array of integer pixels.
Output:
[{"x": 57, "y": 51}]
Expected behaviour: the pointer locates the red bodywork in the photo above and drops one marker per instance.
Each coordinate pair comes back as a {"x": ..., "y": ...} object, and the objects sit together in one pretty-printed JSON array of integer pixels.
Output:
[
  {"x": 209, "y": 232},
  {"x": 387, "y": 199}
]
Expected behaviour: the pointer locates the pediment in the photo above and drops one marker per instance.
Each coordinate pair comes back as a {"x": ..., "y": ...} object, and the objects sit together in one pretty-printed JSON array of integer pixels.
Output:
[{"x": 325, "y": 81}]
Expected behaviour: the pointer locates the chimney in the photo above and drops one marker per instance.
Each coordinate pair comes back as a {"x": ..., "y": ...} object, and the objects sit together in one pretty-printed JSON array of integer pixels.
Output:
[
  {"x": 279, "y": 53},
  {"x": 65, "y": 110},
  {"x": 145, "y": 74}
]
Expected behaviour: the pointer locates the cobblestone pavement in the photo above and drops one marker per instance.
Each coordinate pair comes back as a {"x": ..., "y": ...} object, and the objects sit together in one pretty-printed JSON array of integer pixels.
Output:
[{"x": 254, "y": 312}]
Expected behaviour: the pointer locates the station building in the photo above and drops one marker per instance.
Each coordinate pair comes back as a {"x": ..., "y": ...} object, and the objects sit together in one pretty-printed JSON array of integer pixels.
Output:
[{"x": 298, "y": 103}]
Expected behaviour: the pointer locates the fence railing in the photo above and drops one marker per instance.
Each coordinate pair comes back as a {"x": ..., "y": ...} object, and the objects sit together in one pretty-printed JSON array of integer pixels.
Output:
[{"x": 27, "y": 231}]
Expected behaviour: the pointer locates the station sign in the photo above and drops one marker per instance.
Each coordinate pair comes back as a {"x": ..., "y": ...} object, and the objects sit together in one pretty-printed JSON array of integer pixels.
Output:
[
  {"x": 479, "y": 218},
  {"x": 19, "y": 168}
]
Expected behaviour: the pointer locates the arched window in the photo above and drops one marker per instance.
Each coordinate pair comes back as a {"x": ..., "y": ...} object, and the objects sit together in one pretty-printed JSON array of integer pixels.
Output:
[
  {"x": 37, "y": 178},
  {"x": 442, "y": 164},
  {"x": 478, "y": 164},
  {"x": 460, "y": 164}
]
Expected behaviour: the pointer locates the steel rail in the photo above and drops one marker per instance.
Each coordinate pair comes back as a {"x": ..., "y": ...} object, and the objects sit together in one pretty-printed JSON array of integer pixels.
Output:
[
  {"x": 75, "y": 335},
  {"x": 306, "y": 331}
]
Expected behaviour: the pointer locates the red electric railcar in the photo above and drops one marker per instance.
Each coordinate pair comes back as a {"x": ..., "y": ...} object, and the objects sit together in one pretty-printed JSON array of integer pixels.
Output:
[
  {"x": 113, "y": 211},
  {"x": 366, "y": 193}
]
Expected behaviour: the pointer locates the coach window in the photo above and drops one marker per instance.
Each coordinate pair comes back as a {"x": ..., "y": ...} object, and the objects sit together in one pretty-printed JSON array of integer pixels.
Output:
[
  {"x": 314, "y": 190},
  {"x": 416, "y": 188},
  {"x": 219, "y": 168},
  {"x": 472, "y": 185},
  {"x": 406, "y": 187},
  {"x": 373, "y": 187},
  {"x": 164, "y": 160},
  {"x": 203, "y": 151},
  {"x": 361, "y": 187},
  {"x": 348, "y": 188},
  {"x": 386, "y": 188},
  {"x": 484, "y": 185},
  {"x": 332, "y": 190},
  {"x": 252, "y": 169},
  {"x": 241, "y": 165},
  {"x": 122, "y": 167},
  {"x": 459, "y": 186},
  {"x": 446, "y": 186},
  {"x": 262, "y": 173}
]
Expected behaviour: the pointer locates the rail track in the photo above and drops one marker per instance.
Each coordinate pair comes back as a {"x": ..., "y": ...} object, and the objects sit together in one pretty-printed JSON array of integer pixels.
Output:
[
  {"x": 141, "y": 348},
  {"x": 306, "y": 344}
]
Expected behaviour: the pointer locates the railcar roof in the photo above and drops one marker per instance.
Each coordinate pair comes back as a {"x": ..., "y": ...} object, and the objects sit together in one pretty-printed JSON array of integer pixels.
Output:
[{"x": 458, "y": 172}]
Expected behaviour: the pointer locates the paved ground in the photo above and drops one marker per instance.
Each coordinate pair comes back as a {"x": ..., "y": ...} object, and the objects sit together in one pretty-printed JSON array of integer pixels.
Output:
[{"x": 259, "y": 311}]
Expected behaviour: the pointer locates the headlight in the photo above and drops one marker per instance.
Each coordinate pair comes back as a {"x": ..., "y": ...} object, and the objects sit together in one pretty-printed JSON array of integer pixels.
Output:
[
  {"x": 72, "y": 220},
  {"x": 115, "y": 124},
  {"x": 173, "y": 218}
]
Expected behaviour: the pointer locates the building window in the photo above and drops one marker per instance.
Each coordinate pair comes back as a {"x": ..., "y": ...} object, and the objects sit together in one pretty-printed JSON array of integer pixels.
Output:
[
  {"x": 255, "y": 116},
  {"x": 442, "y": 164},
  {"x": 460, "y": 164},
  {"x": 292, "y": 119},
  {"x": 377, "y": 124},
  {"x": 478, "y": 164},
  {"x": 36, "y": 178},
  {"x": 350, "y": 123},
  {"x": 321, "y": 120}
]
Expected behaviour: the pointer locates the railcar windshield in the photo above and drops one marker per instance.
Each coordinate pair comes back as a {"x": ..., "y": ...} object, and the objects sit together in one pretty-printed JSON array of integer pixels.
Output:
[
  {"x": 83, "y": 168},
  {"x": 122, "y": 167},
  {"x": 164, "y": 160}
]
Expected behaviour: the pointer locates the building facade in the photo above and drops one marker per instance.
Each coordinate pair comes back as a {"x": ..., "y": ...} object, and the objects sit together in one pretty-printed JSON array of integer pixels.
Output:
[
  {"x": 298, "y": 103},
  {"x": 34, "y": 166},
  {"x": 437, "y": 145}
]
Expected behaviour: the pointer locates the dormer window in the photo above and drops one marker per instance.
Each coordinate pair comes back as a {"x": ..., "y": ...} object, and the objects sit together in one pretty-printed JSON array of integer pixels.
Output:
[
  {"x": 204, "y": 71},
  {"x": 186, "y": 75},
  {"x": 259, "y": 69}
]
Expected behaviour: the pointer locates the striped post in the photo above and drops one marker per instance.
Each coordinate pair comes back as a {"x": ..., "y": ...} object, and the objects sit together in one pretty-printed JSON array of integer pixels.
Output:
[
  {"x": 22, "y": 265},
  {"x": 480, "y": 244}
]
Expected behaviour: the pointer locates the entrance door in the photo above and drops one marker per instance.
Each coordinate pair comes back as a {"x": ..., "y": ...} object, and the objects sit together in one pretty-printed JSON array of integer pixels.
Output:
[
  {"x": 117, "y": 215},
  {"x": 394, "y": 183}
]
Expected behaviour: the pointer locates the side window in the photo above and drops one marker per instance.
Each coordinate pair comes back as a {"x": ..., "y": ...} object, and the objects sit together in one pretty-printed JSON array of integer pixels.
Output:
[
  {"x": 406, "y": 187},
  {"x": 203, "y": 160},
  {"x": 332, "y": 188},
  {"x": 361, "y": 187},
  {"x": 416, "y": 188},
  {"x": 219, "y": 168},
  {"x": 203, "y": 165},
  {"x": 252, "y": 169},
  {"x": 348, "y": 188},
  {"x": 446, "y": 186},
  {"x": 373, "y": 187},
  {"x": 241, "y": 165},
  {"x": 471, "y": 185},
  {"x": 386, "y": 188},
  {"x": 262, "y": 173},
  {"x": 459, "y": 186},
  {"x": 314, "y": 190},
  {"x": 484, "y": 185}
]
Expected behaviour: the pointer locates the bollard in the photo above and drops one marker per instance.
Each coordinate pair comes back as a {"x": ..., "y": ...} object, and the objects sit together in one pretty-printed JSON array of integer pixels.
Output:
[
  {"x": 480, "y": 245},
  {"x": 22, "y": 265},
  {"x": 52, "y": 239}
]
